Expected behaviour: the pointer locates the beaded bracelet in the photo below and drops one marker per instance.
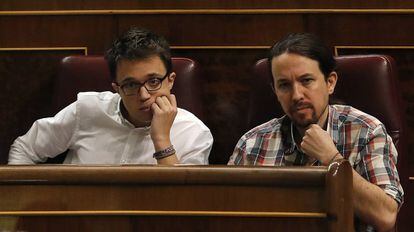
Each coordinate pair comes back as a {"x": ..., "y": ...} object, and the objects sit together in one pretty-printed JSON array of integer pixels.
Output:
[{"x": 169, "y": 151}]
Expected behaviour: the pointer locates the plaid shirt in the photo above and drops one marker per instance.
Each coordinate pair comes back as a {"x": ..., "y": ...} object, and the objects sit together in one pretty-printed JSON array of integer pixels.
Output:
[{"x": 359, "y": 137}]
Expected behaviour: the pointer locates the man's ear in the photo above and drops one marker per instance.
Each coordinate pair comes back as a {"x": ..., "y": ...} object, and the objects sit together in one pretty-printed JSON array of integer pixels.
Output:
[
  {"x": 331, "y": 82},
  {"x": 115, "y": 87},
  {"x": 171, "y": 79}
]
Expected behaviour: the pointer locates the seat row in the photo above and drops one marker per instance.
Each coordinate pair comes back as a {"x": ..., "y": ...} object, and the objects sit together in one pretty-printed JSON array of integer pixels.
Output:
[{"x": 367, "y": 82}]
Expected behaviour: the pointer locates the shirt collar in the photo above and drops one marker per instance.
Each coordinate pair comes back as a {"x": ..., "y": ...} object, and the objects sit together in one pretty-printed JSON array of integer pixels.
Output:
[
  {"x": 333, "y": 124},
  {"x": 288, "y": 136},
  {"x": 289, "y": 144},
  {"x": 122, "y": 120},
  {"x": 292, "y": 138},
  {"x": 292, "y": 152}
]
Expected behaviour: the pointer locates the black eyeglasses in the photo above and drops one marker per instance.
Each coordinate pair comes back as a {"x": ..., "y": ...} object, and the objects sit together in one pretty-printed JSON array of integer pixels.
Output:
[{"x": 131, "y": 88}]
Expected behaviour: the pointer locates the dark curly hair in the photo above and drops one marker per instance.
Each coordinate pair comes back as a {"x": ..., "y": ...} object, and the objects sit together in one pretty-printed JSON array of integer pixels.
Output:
[{"x": 135, "y": 44}]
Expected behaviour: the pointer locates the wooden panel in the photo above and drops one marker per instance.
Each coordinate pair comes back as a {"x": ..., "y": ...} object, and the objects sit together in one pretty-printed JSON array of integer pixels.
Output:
[
  {"x": 136, "y": 197},
  {"x": 94, "y": 32},
  {"x": 363, "y": 29},
  {"x": 83, "y": 198},
  {"x": 196, "y": 29},
  {"x": 160, "y": 224},
  {"x": 190, "y": 4}
]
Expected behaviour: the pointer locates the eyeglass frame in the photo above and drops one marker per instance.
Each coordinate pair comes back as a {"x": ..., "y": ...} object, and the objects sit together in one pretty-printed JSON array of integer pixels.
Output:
[{"x": 143, "y": 84}]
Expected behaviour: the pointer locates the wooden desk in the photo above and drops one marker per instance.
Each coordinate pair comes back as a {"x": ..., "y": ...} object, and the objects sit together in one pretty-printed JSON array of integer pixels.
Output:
[{"x": 184, "y": 198}]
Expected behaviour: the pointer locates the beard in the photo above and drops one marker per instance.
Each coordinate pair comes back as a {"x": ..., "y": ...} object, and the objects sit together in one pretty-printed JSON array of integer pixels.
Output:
[
  {"x": 305, "y": 122},
  {"x": 303, "y": 119}
]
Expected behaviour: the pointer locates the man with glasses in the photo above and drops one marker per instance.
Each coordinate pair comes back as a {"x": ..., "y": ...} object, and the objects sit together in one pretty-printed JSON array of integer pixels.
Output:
[{"x": 138, "y": 124}]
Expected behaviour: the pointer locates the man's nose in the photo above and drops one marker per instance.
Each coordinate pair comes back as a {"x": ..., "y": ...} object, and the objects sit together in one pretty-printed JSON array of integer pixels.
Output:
[
  {"x": 143, "y": 93},
  {"x": 297, "y": 92}
]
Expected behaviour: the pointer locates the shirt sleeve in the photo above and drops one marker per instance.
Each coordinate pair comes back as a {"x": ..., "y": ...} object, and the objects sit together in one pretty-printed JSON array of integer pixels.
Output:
[
  {"x": 378, "y": 163},
  {"x": 47, "y": 138},
  {"x": 197, "y": 148},
  {"x": 239, "y": 153}
]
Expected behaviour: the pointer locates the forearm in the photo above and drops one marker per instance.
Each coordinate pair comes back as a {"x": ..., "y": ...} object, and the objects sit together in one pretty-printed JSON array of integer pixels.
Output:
[
  {"x": 19, "y": 154},
  {"x": 193, "y": 150},
  {"x": 170, "y": 160},
  {"x": 46, "y": 138},
  {"x": 161, "y": 145},
  {"x": 24, "y": 149},
  {"x": 372, "y": 205}
]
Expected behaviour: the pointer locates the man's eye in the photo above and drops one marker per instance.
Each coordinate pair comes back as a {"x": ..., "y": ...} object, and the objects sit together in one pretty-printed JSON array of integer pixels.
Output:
[
  {"x": 153, "y": 82},
  {"x": 131, "y": 85},
  {"x": 307, "y": 81},
  {"x": 283, "y": 85}
]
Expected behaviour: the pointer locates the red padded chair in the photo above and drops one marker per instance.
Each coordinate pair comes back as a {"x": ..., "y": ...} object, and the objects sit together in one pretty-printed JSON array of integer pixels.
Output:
[{"x": 91, "y": 73}]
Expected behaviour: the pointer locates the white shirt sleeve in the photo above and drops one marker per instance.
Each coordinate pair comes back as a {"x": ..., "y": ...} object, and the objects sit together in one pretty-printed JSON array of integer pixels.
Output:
[
  {"x": 47, "y": 138},
  {"x": 201, "y": 144},
  {"x": 191, "y": 138}
]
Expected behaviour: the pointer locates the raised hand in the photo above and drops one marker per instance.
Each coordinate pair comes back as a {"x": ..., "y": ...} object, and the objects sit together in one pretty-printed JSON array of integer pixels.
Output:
[
  {"x": 164, "y": 111},
  {"x": 317, "y": 143}
]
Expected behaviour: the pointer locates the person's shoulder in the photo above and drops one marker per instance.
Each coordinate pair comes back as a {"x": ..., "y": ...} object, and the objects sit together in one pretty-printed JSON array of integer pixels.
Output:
[
  {"x": 97, "y": 102},
  {"x": 97, "y": 96},
  {"x": 347, "y": 114},
  {"x": 185, "y": 117},
  {"x": 269, "y": 127}
]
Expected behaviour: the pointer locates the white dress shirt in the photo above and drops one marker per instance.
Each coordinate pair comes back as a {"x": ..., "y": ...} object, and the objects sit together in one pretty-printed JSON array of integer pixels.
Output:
[{"x": 95, "y": 132}]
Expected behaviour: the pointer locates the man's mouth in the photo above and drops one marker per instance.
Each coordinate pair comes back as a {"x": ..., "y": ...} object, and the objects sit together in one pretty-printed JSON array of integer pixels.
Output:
[
  {"x": 145, "y": 108},
  {"x": 301, "y": 107}
]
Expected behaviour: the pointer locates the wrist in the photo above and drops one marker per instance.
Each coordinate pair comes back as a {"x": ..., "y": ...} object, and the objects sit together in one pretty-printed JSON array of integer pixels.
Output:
[
  {"x": 334, "y": 158},
  {"x": 160, "y": 144},
  {"x": 167, "y": 152}
]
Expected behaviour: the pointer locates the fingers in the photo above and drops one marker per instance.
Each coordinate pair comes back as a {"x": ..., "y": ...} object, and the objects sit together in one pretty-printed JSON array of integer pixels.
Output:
[
  {"x": 165, "y": 104},
  {"x": 164, "y": 112},
  {"x": 312, "y": 137},
  {"x": 155, "y": 108},
  {"x": 317, "y": 143},
  {"x": 313, "y": 133},
  {"x": 312, "y": 127},
  {"x": 173, "y": 100}
]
